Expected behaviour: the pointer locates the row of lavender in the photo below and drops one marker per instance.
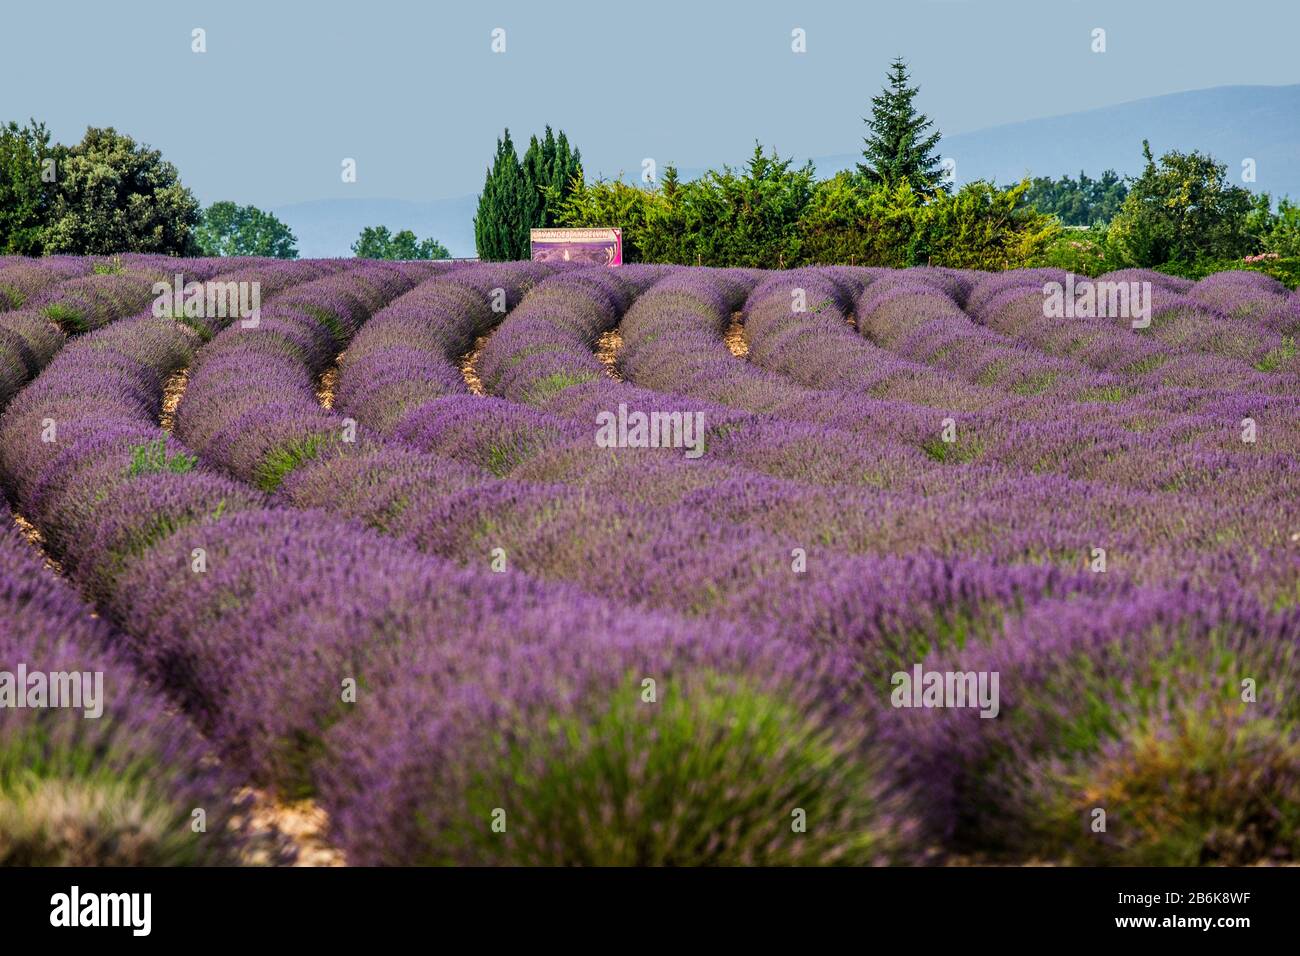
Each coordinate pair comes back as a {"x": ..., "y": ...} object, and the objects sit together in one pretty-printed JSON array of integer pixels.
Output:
[
  {"x": 572, "y": 525},
  {"x": 44, "y": 301},
  {"x": 1235, "y": 535},
  {"x": 120, "y": 778},
  {"x": 641, "y": 565},
  {"x": 224, "y": 637}
]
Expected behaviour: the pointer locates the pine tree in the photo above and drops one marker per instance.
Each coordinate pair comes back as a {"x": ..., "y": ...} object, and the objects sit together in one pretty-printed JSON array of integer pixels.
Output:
[
  {"x": 671, "y": 183},
  {"x": 501, "y": 224},
  {"x": 898, "y": 149}
]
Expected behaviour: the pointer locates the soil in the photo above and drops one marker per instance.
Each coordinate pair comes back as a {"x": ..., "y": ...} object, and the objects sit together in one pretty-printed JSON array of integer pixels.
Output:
[
  {"x": 735, "y": 337},
  {"x": 328, "y": 383},
  {"x": 173, "y": 389},
  {"x": 607, "y": 348},
  {"x": 469, "y": 366}
]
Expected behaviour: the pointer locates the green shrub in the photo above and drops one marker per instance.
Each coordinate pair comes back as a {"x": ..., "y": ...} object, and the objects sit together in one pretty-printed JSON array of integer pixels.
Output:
[
  {"x": 846, "y": 224},
  {"x": 983, "y": 227},
  {"x": 1081, "y": 251},
  {"x": 1286, "y": 271},
  {"x": 1203, "y": 787},
  {"x": 711, "y": 774},
  {"x": 748, "y": 217}
]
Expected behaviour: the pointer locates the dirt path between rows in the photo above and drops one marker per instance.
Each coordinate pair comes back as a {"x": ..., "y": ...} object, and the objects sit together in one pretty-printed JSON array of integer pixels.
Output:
[
  {"x": 735, "y": 336},
  {"x": 469, "y": 365},
  {"x": 607, "y": 348},
  {"x": 173, "y": 392},
  {"x": 37, "y": 541},
  {"x": 329, "y": 381},
  {"x": 302, "y": 823}
]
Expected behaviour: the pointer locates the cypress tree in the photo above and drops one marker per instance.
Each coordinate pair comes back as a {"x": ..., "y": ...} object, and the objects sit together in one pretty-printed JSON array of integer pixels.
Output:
[
  {"x": 546, "y": 168},
  {"x": 550, "y": 173},
  {"x": 898, "y": 149},
  {"x": 519, "y": 195},
  {"x": 501, "y": 224},
  {"x": 536, "y": 168},
  {"x": 565, "y": 164}
]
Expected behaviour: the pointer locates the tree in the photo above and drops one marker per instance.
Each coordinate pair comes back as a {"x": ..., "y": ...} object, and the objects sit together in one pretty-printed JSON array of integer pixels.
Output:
[
  {"x": 983, "y": 227},
  {"x": 28, "y": 187},
  {"x": 553, "y": 177},
  {"x": 845, "y": 224},
  {"x": 117, "y": 196},
  {"x": 536, "y": 165},
  {"x": 978, "y": 227},
  {"x": 638, "y": 212},
  {"x": 375, "y": 242},
  {"x": 898, "y": 149},
  {"x": 1283, "y": 235},
  {"x": 746, "y": 219},
  {"x": 1181, "y": 211},
  {"x": 502, "y": 222},
  {"x": 521, "y": 195},
  {"x": 230, "y": 230},
  {"x": 671, "y": 182},
  {"x": 1079, "y": 202},
  {"x": 727, "y": 218}
]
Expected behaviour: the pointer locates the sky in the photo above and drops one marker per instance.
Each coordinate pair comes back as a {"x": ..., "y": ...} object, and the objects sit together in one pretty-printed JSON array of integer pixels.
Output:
[{"x": 415, "y": 94}]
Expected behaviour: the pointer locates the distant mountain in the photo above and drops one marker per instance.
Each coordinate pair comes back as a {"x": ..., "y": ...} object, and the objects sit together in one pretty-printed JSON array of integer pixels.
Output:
[
  {"x": 328, "y": 227},
  {"x": 1231, "y": 123}
]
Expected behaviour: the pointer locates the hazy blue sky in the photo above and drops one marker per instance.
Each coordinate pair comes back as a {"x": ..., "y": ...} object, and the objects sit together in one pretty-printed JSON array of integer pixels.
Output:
[{"x": 414, "y": 93}]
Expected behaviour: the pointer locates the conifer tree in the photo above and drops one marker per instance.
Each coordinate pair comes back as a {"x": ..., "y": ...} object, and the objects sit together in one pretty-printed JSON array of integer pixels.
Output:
[
  {"x": 549, "y": 167},
  {"x": 672, "y": 182},
  {"x": 501, "y": 224},
  {"x": 536, "y": 166},
  {"x": 565, "y": 164},
  {"x": 899, "y": 148},
  {"x": 520, "y": 195}
]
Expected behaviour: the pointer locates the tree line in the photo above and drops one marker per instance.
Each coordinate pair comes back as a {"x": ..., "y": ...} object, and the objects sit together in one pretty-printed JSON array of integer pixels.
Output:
[
  {"x": 109, "y": 194},
  {"x": 897, "y": 209},
  {"x": 900, "y": 208},
  {"x": 1181, "y": 214}
]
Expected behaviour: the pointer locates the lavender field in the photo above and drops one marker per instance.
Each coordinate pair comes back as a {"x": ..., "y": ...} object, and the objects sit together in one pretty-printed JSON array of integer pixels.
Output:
[{"x": 402, "y": 556}]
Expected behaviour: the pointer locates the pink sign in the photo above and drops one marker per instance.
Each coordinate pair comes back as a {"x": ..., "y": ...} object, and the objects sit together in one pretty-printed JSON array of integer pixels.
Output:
[{"x": 596, "y": 247}]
